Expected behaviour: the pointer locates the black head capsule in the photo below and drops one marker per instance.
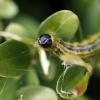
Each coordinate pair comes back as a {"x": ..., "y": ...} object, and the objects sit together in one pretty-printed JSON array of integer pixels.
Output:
[{"x": 45, "y": 40}]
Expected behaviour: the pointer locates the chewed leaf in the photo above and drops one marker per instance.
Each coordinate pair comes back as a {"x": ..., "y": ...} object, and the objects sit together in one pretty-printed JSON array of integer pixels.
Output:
[
  {"x": 63, "y": 23},
  {"x": 15, "y": 58},
  {"x": 73, "y": 81}
]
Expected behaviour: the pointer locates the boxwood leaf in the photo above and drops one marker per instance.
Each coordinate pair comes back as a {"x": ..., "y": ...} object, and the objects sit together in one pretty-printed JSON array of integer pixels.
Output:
[
  {"x": 15, "y": 58},
  {"x": 8, "y": 9},
  {"x": 17, "y": 29},
  {"x": 32, "y": 77},
  {"x": 73, "y": 81},
  {"x": 36, "y": 93},
  {"x": 63, "y": 23},
  {"x": 17, "y": 32},
  {"x": 29, "y": 23},
  {"x": 8, "y": 88}
]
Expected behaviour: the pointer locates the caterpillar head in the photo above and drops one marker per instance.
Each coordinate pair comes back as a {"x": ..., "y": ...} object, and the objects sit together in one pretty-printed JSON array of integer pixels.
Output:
[{"x": 45, "y": 41}]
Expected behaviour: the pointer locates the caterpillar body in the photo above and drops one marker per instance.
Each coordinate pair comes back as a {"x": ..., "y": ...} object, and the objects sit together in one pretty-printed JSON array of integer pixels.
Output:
[{"x": 86, "y": 48}]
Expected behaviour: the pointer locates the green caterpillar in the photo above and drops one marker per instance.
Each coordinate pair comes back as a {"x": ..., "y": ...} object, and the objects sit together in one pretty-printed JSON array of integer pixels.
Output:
[
  {"x": 71, "y": 53},
  {"x": 86, "y": 48}
]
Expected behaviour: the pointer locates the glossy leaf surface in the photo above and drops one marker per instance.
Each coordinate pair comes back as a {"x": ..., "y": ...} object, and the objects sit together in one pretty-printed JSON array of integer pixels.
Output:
[
  {"x": 73, "y": 81},
  {"x": 36, "y": 93},
  {"x": 62, "y": 23},
  {"x": 15, "y": 58},
  {"x": 8, "y": 89}
]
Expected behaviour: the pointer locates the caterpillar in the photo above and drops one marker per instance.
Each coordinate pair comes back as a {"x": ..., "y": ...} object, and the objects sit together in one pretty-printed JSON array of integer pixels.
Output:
[
  {"x": 71, "y": 53},
  {"x": 86, "y": 48}
]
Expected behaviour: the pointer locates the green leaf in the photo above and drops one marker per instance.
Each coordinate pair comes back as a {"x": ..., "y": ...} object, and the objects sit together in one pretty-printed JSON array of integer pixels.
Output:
[
  {"x": 63, "y": 23},
  {"x": 8, "y": 9},
  {"x": 8, "y": 89},
  {"x": 15, "y": 58},
  {"x": 17, "y": 29},
  {"x": 36, "y": 93},
  {"x": 89, "y": 13},
  {"x": 32, "y": 77},
  {"x": 92, "y": 17},
  {"x": 81, "y": 6},
  {"x": 73, "y": 81},
  {"x": 17, "y": 32},
  {"x": 29, "y": 23}
]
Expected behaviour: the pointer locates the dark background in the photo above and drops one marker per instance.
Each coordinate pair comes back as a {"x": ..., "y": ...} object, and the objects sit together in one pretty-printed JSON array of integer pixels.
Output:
[{"x": 40, "y": 9}]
